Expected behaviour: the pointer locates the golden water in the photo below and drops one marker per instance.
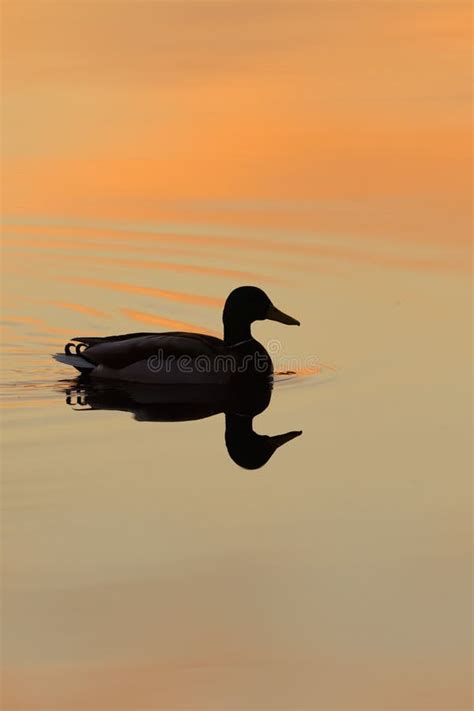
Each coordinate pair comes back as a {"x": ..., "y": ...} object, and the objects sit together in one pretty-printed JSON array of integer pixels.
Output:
[{"x": 142, "y": 569}]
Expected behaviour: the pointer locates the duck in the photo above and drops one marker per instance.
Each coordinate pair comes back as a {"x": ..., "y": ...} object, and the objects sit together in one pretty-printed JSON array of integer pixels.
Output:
[
  {"x": 239, "y": 401},
  {"x": 182, "y": 357}
]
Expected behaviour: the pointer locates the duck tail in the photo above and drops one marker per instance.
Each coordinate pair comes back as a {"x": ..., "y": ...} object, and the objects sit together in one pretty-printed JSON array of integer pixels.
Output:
[{"x": 77, "y": 361}]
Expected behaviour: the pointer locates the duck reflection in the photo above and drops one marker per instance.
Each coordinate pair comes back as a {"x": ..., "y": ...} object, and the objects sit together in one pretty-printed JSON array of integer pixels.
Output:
[{"x": 240, "y": 401}]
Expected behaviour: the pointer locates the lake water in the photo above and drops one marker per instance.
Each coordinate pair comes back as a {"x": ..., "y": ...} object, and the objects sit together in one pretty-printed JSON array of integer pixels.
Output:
[
  {"x": 145, "y": 569},
  {"x": 318, "y": 152}
]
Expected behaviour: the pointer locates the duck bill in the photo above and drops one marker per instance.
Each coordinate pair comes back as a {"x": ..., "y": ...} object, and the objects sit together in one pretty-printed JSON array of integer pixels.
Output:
[{"x": 275, "y": 314}]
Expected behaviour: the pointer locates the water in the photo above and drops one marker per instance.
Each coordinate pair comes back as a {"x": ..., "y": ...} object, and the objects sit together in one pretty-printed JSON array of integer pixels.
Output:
[
  {"x": 156, "y": 155},
  {"x": 144, "y": 569}
]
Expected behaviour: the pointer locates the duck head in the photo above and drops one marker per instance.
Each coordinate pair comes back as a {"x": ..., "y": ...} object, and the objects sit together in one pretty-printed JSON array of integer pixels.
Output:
[{"x": 245, "y": 305}]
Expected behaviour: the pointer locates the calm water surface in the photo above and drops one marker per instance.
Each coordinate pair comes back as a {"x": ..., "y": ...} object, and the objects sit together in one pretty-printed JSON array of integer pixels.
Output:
[{"x": 143, "y": 569}]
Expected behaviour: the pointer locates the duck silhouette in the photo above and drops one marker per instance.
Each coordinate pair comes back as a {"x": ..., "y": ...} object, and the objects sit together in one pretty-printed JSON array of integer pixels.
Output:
[
  {"x": 240, "y": 401},
  {"x": 180, "y": 357}
]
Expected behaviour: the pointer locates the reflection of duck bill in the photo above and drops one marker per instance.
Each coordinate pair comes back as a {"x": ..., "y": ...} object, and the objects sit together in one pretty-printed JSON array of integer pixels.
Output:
[{"x": 278, "y": 440}]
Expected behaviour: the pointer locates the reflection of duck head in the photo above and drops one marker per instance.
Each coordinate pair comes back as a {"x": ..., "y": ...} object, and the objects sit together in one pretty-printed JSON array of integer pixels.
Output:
[
  {"x": 247, "y": 448},
  {"x": 241, "y": 401}
]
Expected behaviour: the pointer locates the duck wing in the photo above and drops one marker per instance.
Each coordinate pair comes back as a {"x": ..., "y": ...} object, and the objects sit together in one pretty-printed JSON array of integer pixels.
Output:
[
  {"x": 94, "y": 340},
  {"x": 120, "y": 352}
]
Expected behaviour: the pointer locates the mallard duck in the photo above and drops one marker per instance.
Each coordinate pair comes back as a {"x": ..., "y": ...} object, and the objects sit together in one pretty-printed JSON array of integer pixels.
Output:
[{"x": 180, "y": 357}]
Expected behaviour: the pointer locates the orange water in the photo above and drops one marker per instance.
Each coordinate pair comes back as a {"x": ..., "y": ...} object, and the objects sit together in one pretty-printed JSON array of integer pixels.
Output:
[{"x": 157, "y": 156}]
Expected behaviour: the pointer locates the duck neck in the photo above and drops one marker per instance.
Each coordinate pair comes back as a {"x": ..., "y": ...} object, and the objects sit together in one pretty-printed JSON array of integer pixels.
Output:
[{"x": 236, "y": 331}]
